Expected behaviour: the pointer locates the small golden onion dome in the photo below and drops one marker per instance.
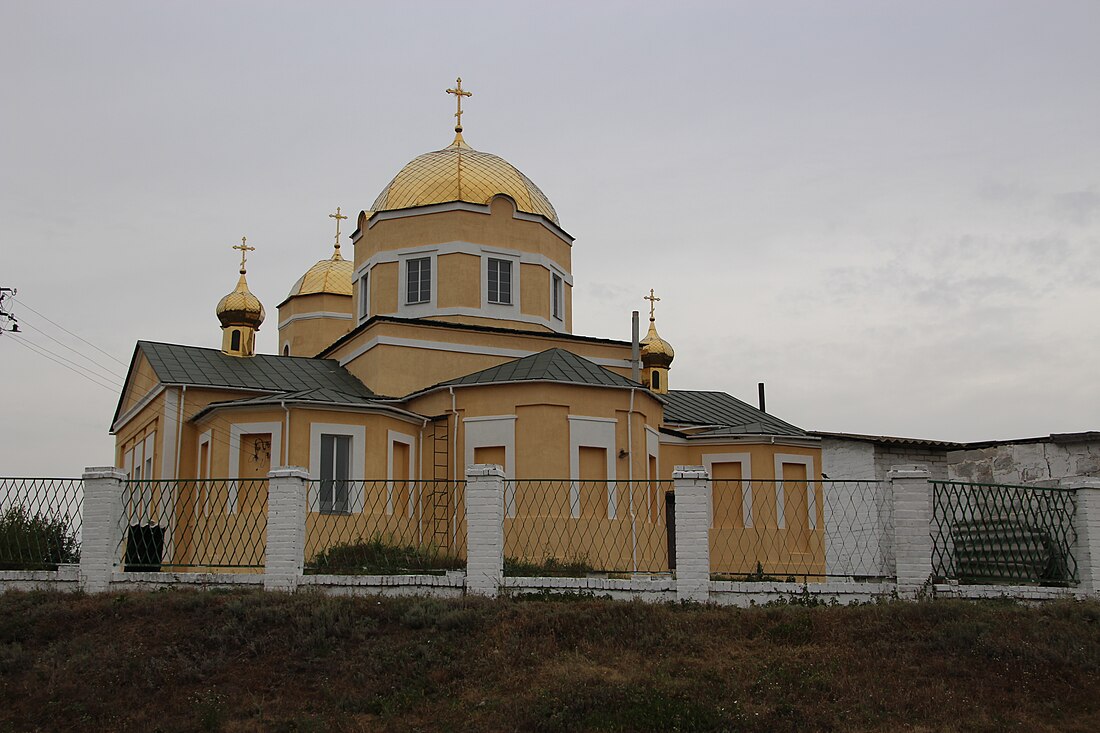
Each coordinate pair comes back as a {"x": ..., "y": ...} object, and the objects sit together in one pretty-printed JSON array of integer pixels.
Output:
[
  {"x": 460, "y": 173},
  {"x": 327, "y": 276},
  {"x": 656, "y": 352},
  {"x": 241, "y": 307}
]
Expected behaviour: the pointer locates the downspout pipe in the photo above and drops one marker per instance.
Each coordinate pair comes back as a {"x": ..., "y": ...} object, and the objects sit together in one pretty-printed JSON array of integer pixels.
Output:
[{"x": 630, "y": 470}]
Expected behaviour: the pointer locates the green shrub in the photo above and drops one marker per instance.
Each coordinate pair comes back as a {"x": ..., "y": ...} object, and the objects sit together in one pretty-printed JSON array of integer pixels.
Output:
[
  {"x": 380, "y": 556},
  {"x": 35, "y": 541},
  {"x": 551, "y": 567}
]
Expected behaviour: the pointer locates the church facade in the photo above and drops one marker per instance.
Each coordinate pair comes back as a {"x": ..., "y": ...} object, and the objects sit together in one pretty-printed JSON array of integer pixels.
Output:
[{"x": 447, "y": 340}]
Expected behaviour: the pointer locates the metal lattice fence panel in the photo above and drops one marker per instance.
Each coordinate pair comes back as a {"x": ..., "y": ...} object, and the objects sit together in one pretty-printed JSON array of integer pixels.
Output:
[
  {"x": 385, "y": 527},
  {"x": 995, "y": 533},
  {"x": 764, "y": 529},
  {"x": 40, "y": 522},
  {"x": 574, "y": 528},
  {"x": 209, "y": 525}
]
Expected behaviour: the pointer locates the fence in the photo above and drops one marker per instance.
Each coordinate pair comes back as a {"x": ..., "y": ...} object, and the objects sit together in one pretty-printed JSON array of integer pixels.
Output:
[
  {"x": 40, "y": 522},
  {"x": 576, "y": 528},
  {"x": 385, "y": 527},
  {"x": 801, "y": 530},
  {"x": 984, "y": 533},
  {"x": 197, "y": 526}
]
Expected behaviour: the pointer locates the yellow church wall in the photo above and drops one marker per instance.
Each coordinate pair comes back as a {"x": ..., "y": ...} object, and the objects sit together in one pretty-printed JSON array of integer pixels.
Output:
[
  {"x": 398, "y": 369},
  {"x": 794, "y": 549},
  {"x": 534, "y": 290},
  {"x": 497, "y": 229},
  {"x": 384, "y": 287},
  {"x": 308, "y": 336},
  {"x": 459, "y": 281}
]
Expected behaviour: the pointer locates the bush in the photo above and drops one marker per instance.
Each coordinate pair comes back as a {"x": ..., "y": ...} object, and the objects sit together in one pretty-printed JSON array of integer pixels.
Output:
[
  {"x": 551, "y": 567},
  {"x": 35, "y": 541},
  {"x": 377, "y": 556}
]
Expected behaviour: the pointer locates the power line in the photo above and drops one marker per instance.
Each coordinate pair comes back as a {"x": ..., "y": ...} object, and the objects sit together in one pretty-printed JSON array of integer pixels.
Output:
[
  {"x": 110, "y": 378},
  {"x": 107, "y": 370},
  {"x": 28, "y": 345},
  {"x": 32, "y": 310}
]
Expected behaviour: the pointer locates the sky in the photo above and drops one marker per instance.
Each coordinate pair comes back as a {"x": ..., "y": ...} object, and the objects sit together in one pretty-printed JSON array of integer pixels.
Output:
[{"x": 888, "y": 212}]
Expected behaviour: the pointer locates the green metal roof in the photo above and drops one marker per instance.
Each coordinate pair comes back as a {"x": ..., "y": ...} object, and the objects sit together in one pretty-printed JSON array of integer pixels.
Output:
[
  {"x": 552, "y": 365},
  {"x": 195, "y": 366},
  {"x": 729, "y": 415}
]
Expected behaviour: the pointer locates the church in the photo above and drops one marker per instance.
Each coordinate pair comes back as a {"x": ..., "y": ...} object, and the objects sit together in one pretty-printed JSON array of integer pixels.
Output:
[{"x": 445, "y": 338}]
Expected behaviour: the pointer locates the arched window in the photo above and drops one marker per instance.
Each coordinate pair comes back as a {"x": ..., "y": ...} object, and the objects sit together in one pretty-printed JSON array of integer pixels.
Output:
[
  {"x": 655, "y": 382},
  {"x": 235, "y": 340},
  {"x": 286, "y": 349}
]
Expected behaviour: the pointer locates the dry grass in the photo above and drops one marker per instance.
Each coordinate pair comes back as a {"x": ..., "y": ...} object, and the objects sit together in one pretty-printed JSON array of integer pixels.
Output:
[{"x": 182, "y": 661}]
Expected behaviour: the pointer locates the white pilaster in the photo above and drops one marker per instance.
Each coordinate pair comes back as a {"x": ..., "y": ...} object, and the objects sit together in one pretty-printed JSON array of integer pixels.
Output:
[
  {"x": 101, "y": 533},
  {"x": 912, "y": 492},
  {"x": 286, "y": 527},
  {"x": 692, "y": 485},
  {"x": 485, "y": 529},
  {"x": 1087, "y": 549}
]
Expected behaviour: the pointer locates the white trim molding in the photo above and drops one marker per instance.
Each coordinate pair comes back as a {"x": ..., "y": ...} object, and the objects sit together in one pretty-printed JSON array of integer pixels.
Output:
[
  {"x": 465, "y": 206},
  {"x": 745, "y": 459},
  {"x": 460, "y": 348},
  {"x": 811, "y": 483},
  {"x": 591, "y": 432},
  {"x": 491, "y": 431},
  {"x": 314, "y": 314},
  {"x": 392, "y": 436},
  {"x": 236, "y": 430},
  {"x": 358, "y": 433}
]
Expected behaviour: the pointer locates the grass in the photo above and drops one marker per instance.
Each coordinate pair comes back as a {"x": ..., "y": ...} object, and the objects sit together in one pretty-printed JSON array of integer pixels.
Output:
[
  {"x": 380, "y": 556},
  {"x": 249, "y": 661},
  {"x": 551, "y": 567}
]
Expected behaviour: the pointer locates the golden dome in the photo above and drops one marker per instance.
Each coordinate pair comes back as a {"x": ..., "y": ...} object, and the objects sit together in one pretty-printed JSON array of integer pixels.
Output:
[
  {"x": 241, "y": 307},
  {"x": 327, "y": 276},
  {"x": 656, "y": 352},
  {"x": 460, "y": 173}
]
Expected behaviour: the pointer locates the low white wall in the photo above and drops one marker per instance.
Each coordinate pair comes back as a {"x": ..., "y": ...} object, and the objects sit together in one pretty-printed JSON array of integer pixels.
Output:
[
  {"x": 1011, "y": 592},
  {"x": 653, "y": 591},
  {"x": 65, "y": 578},
  {"x": 452, "y": 585},
  {"x": 742, "y": 594},
  {"x": 203, "y": 581}
]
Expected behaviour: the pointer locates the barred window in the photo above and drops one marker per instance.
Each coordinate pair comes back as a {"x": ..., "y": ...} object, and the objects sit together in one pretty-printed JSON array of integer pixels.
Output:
[
  {"x": 500, "y": 281},
  {"x": 419, "y": 284}
]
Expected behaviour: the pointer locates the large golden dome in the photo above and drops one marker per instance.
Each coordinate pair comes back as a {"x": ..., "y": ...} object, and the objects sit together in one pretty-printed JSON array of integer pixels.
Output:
[
  {"x": 460, "y": 173},
  {"x": 327, "y": 276}
]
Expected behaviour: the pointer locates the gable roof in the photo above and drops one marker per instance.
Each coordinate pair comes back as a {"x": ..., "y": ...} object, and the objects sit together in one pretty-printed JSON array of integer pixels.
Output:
[
  {"x": 195, "y": 366},
  {"x": 728, "y": 415},
  {"x": 552, "y": 365}
]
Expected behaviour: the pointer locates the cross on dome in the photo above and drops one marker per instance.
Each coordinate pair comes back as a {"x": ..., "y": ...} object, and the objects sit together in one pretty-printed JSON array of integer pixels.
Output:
[
  {"x": 337, "y": 216},
  {"x": 652, "y": 302},
  {"x": 459, "y": 93},
  {"x": 244, "y": 248}
]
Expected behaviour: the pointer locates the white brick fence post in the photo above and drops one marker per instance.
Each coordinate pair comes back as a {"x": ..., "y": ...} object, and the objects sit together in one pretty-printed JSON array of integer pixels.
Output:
[
  {"x": 912, "y": 492},
  {"x": 692, "y": 486},
  {"x": 1087, "y": 549},
  {"x": 101, "y": 529},
  {"x": 485, "y": 529},
  {"x": 286, "y": 527}
]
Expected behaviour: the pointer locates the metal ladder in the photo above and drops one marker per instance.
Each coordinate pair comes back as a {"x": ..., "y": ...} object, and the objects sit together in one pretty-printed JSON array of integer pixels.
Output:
[{"x": 439, "y": 498}]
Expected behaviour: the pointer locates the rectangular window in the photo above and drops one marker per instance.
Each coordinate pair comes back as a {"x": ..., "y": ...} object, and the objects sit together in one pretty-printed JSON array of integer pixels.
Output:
[
  {"x": 500, "y": 281},
  {"x": 335, "y": 469},
  {"x": 364, "y": 295},
  {"x": 556, "y": 296},
  {"x": 419, "y": 283}
]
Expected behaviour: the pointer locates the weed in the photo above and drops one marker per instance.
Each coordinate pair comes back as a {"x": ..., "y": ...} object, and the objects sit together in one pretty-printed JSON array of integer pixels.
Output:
[{"x": 381, "y": 556}]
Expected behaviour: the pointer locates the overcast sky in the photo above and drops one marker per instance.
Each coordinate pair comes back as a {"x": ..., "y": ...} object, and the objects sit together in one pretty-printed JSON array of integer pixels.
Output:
[{"x": 888, "y": 212}]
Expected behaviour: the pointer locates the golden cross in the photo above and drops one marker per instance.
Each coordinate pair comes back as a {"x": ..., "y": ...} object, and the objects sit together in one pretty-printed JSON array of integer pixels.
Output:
[
  {"x": 337, "y": 216},
  {"x": 459, "y": 93},
  {"x": 652, "y": 302},
  {"x": 244, "y": 248}
]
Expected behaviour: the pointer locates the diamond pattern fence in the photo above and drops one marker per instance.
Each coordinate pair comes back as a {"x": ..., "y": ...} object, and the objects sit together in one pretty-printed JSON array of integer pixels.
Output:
[
  {"x": 209, "y": 525},
  {"x": 995, "y": 533},
  {"x": 40, "y": 522},
  {"x": 576, "y": 528},
  {"x": 764, "y": 529},
  {"x": 385, "y": 527}
]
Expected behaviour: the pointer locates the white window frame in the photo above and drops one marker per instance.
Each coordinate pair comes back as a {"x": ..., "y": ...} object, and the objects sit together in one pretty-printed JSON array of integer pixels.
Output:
[
  {"x": 503, "y": 296},
  {"x": 203, "y": 499},
  {"x": 236, "y": 430},
  {"x": 363, "y": 288},
  {"x": 416, "y": 310},
  {"x": 811, "y": 490},
  {"x": 745, "y": 459},
  {"x": 557, "y": 295},
  {"x": 421, "y": 300},
  {"x": 500, "y": 310},
  {"x": 591, "y": 432},
  {"x": 490, "y": 431},
  {"x": 392, "y": 437},
  {"x": 358, "y": 433}
]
